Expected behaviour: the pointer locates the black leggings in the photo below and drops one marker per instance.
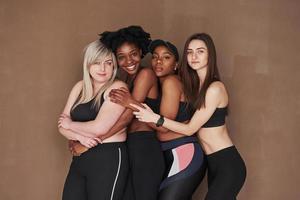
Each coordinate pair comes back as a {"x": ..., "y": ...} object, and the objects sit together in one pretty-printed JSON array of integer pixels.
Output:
[
  {"x": 146, "y": 166},
  {"x": 226, "y": 174},
  {"x": 185, "y": 168},
  {"x": 98, "y": 174}
]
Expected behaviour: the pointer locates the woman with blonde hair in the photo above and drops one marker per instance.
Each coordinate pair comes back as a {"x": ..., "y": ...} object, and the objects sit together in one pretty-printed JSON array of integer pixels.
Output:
[{"x": 101, "y": 172}]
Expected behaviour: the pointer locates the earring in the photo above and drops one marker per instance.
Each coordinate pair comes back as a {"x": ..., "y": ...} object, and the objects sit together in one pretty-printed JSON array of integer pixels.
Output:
[{"x": 175, "y": 68}]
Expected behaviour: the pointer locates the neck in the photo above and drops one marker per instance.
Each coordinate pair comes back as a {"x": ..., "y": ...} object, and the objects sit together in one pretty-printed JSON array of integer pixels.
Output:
[
  {"x": 97, "y": 86},
  {"x": 202, "y": 74}
]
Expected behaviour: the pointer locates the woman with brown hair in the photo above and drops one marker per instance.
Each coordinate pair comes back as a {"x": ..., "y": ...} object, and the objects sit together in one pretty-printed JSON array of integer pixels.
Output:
[{"x": 207, "y": 94}]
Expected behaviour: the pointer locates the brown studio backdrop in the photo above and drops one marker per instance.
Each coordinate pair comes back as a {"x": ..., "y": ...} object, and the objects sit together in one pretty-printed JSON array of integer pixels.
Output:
[{"x": 40, "y": 57}]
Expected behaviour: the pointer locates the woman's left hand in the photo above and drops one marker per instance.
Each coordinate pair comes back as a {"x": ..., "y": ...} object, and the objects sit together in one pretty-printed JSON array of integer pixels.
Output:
[
  {"x": 64, "y": 121},
  {"x": 145, "y": 114}
]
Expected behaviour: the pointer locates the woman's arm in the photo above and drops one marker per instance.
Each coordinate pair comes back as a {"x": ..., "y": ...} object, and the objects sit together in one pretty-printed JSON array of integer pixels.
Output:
[
  {"x": 200, "y": 117},
  {"x": 107, "y": 116},
  {"x": 170, "y": 101},
  {"x": 86, "y": 141}
]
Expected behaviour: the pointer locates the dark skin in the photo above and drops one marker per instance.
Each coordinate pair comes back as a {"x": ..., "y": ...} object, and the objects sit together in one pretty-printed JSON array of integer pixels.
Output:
[{"x": 163, "y": 62}]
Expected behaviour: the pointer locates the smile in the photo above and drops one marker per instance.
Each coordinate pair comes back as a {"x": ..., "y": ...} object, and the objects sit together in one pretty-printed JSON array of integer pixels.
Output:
[{"x": 131, "y": 67}]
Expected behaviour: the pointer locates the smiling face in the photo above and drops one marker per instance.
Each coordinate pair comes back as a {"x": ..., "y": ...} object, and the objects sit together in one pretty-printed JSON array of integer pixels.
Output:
[
  {"x": 197, "y": 55},
  {"x": 163, "y": 61},
  {"x": 129, "y": 57},
  {"x": 102, "y": 71}
]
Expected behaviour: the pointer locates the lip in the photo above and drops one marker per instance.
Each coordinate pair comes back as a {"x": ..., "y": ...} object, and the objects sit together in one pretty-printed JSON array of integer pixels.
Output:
[
  {"x": 158, "y": 69},
  {"x": 101, "y": 74},
  {"x": 131, "y": 67}
]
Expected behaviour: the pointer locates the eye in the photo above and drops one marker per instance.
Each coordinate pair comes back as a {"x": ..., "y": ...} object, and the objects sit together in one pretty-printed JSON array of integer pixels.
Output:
[
  {"x": 121, "y": 58},
  {"x": 134, "y": 53},
  {"x": 109, "y": 63},
  {"x": 189, "y": 52},
  {"x": 167, "y": 57},
  {"x": 97, "y": 63}
]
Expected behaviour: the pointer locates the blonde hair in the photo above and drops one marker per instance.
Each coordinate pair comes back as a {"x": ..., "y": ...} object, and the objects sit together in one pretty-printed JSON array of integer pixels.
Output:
[{"x": 95, "y": 52}]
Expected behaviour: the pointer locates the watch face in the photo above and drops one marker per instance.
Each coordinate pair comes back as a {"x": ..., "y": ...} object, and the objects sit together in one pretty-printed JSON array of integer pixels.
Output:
[{"x": 160, "y": 121}]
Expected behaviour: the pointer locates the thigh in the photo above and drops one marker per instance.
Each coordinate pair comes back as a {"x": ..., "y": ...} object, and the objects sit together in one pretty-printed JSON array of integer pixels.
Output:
[
  {"x": 74, "y": 188},
  {"x": 107, "y": 177},
  {"x": 147, "y": 168},
  {"x": 182, "y": 184},
  {"x": 228, "y": 177}
]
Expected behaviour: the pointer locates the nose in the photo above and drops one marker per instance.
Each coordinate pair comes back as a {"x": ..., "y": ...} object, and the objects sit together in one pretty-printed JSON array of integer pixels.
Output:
[
  {"x": 129, "y": 60},
  {"x": 159, "y": 60},
  {"x": 194, "y": 56},
  {"x": 102, "y": 67}
]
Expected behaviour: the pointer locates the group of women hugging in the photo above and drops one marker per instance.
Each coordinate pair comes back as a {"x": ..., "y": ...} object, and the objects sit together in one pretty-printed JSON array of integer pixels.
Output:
[{"x": 149, "y": 132}]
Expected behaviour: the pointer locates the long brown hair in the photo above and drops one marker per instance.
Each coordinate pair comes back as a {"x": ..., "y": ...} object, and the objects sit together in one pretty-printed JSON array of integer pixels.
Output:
[{"x": 194, "y": 92}]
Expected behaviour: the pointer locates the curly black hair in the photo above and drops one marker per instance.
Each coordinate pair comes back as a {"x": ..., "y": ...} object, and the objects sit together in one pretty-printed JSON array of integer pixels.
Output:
[{"x": 131, "y": 34}]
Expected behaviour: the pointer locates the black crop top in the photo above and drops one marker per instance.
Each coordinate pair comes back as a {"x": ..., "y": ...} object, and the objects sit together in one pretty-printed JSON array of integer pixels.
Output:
[
  {"x": 217, "y": 118},
  {"x": 85, "y": 111},
  {"x": 184, "y": 111},
  {"x": 153, "y": 104}
]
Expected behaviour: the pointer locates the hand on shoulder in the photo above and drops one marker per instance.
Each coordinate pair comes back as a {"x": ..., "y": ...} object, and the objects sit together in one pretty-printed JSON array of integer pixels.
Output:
[{"x": 117, "y": 84}]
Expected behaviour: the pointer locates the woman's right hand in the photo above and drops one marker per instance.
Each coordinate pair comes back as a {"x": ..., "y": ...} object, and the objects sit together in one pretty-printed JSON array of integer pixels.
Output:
[{"x": 145, "y": 114}]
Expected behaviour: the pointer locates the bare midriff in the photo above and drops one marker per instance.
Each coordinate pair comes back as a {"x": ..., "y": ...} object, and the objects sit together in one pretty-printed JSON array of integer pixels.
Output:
[
  {"x": 118, "y": 137},
  {"x": 214, "y": 139},
  {"x": 136, "y": 126}
]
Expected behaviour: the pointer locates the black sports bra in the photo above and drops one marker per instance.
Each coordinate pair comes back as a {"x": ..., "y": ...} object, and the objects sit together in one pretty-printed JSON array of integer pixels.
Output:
[
  {"x": 217, "y": 118},
  {"x": 85, "y": 111},
  {"x": 153, "y": 104},
  {"x": 184, "y": 111}
]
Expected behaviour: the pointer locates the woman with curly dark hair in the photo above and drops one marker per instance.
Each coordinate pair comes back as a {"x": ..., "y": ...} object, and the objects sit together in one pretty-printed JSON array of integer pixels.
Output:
[{"x": 130, "y": 44}]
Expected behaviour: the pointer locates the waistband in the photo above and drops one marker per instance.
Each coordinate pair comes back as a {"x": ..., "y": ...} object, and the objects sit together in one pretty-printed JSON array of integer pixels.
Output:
[
  {"x": 141, "y": 134},
  {"x": 222, "y": 153},
  {"x": 171, "y": 144},
  {"x": 109, "y": 145}
]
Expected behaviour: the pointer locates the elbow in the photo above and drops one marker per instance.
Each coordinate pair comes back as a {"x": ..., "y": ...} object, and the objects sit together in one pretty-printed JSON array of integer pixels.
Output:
[
  {"x": 60, "y": 130},
  {"x": 190, "y": 133},
  {"x": 99, "y": 131}
]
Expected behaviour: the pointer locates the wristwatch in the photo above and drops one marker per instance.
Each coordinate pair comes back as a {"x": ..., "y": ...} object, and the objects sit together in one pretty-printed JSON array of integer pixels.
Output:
[{"x": 160, "y": 121}]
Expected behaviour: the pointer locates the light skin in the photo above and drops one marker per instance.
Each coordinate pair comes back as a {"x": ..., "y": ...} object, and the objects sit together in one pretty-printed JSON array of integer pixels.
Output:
[
  {"x": 129, "y": 58},
  {"x": 213, "y": 138},
  {"x": 87, "y": 132}
]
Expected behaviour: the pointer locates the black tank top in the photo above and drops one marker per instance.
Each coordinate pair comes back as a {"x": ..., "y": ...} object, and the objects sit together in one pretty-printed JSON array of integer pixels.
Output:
[{"x": 85, "y": 111}]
